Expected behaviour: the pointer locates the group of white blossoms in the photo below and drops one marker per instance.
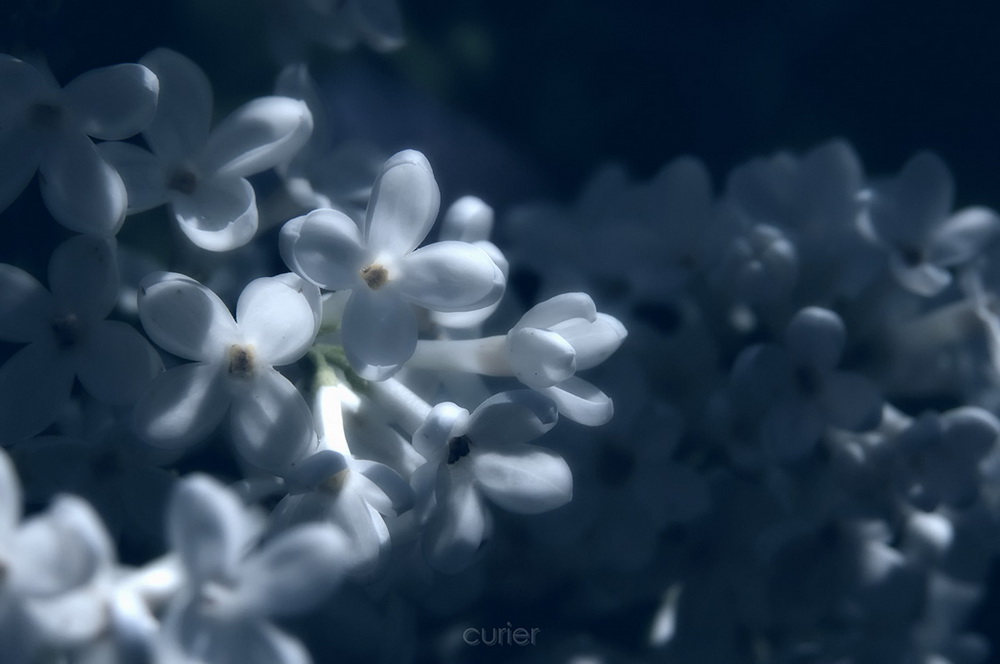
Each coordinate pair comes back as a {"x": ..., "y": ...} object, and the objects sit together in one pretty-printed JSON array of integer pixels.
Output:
[{"x": 413, "y": 467}]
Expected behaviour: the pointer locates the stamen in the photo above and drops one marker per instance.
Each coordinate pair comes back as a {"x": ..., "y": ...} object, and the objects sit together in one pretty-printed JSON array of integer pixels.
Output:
[
  {"x": 375, "y": 276},
  {"x": 242, "y": 360}
]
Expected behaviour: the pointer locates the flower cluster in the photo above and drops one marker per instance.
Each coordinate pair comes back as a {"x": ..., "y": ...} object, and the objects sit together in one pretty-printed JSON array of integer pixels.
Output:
[{"x": 779, "y": 401}]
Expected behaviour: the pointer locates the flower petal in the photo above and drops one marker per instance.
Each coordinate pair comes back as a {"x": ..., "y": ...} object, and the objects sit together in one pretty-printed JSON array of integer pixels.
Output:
[
  {"x": 80, "y": 189},
  {"x": 511, "y": 418},
  {"x": 113, "y": 103},
  {"x": 594, "y": 341},
  {"x": 450, "y": 276},
  {"x": 182, "y": 406},
  {"x": 10, "y": 497},
  {"x": 83, "y": 276},
  {"x": 325, "y": 247},
  {"x": 815, "y": 338},
  {"x": 379, "y": 333},
  {"x": 559, "y": 309},
  {"x": 184, "y": 108},
  {"x": 144, "y": 174},
  {"x": 523, "y": 478},
  {"x": 963, "y": 236},
  {"x": 272, "y": 426},
  {"x": 540, "y": 358},
  {"x": 457, "y": 526},
  {"x": 295, "y": 571},
  {"x": 403, "y": 205},
  {"x": 280, "y": 319},
  {"x": 581, "y": 402},
  {"x": 259, "y": 135},
  {"x": 185, "y": 318},
  {"x": 116, "y": 364},
  {"x": 26, "y": 308},
  {"x": 35, "y": 385},
  {"x": 208, "y": 527},
  {"x": 220, "y": 215}
]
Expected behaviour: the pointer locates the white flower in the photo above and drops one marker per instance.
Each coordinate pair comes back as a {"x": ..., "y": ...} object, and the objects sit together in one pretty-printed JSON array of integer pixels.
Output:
[
  {"x": 67, "y": 336},
  {"x": 276, "y": 321},
  {"x": 911, "y": 215},
  {"x": 484, "y": 454},
  {"x": 47, "y": 128},
  {"x": 202, "y": 174},
  {"x": 384, "y": 271},
  {"x": 233, "y": 590}
]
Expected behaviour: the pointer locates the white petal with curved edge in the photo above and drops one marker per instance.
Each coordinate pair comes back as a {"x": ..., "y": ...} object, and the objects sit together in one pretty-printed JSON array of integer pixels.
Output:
[
  {"x": 325, "y": 247},
  {"x": 923, "y": 278},
  {"x": 186, "y": 318},
  {"x": 540, "y": 358},
  {"x": 381, "y": 487},
  {"x": 279, "y": 320},
  {"x": 182, "y": 406},
  {"x": 594, "y": 341},
  {"x": 449, "y": 276},
  {"x": 115, "y": 363},
  {"x": 379, "y": 333},
  {"x": 259, "y": 135},
  {"x": 271, "y": 423},
  {"x": 513, "y": 417},
  {"x": 456, "y": 528},
  {"x": 403, "y": 206},
  {"x": 83, "y": 276},
  {"x": 963, "y": 236},
  {"x": 558, "y": 309},
  {"x": 445, "y": 421},
  {"x": 144, "y": 174},
  {"x": 220, "y": 215},
  {"x": 80, "y": 189},
  {"x": 19, "y": 156},
  {"x": 184, "y": 108},
  {"x": 26, "y": 308},
  {"x": 113, "y": 103},
  {"x": 522, "y": 478},
  {"x": 581, "y": 401},
  {"x": 35, "y": 385},
  {"x": 208, "y": 527},
  {"x": 295, "y": 571}
]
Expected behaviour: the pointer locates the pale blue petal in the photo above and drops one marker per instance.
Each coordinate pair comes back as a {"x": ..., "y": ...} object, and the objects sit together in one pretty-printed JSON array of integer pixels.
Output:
[
  {"x": 208, "y": 528},
  {"x": 113, "y": 103},
  {"x": 259, "y": 135},
  {"x": 144, "y": 174},
  {"x": 185, "y": 318},
  {"x": 184, "y": 108},
  {"x": 115, "y": 363},
  {"x": 272, "y": 426},
  {"x": 381, "y": 487},
  {"x": 581, "y": 402},
  {"x": 26, "y": 308},
  {"x": 923, "y": 278},
  {"x": 182, "y": 406},
  {"x": 80, "y": 189},
  {"x": 449, "y": 276},
  {"x": 540, "y": 358},
  {"x": 325, "y": 247},
  {"x": 593, "y": 341},
  {"x": 523, "y": 478},
  {"x": 559, "y": 309},
  {"x": 220, "y": 215},
  {"x": 10, "y": 497},
  {"x": 815, "y": 338},
  {"x": 20, "y": 84},
  {"x": 35, "y": 386},
  {"x": 278, "y": 319},
  {"x": 403, "y": 206},
  {"x": 963, "y": 236},
  {"x": 379, "y": 333},
  {"x": 445, "y": 421},
  {"x": 469, "y": 219},
  {"x": 511, "y": 418},
  {"x": 83, "y": 276},
  {"x": 456, "y": 528},
  {"x": 295, "y": 571}
]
